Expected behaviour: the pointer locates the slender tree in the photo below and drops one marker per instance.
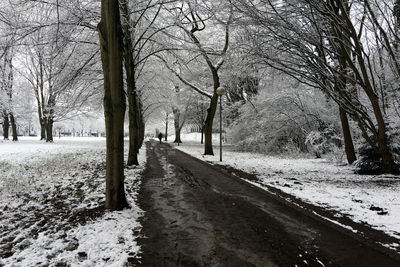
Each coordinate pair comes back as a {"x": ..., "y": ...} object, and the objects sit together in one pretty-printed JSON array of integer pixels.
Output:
[
  {"x": 193, "y": 22},
  {"x": 133, "y": 101}
]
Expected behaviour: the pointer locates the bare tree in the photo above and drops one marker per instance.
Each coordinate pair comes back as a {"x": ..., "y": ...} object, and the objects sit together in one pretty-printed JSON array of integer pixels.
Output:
[
  {"x": 192, "y": 20},
  {"x": 140, "y": 30},
  {"x": 6, "y": 89},
  {"x": 111, "y": 44}
]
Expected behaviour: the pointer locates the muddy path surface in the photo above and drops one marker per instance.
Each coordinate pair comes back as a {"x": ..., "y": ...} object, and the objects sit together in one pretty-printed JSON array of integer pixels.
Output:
[{"x": 196, "y": 215}]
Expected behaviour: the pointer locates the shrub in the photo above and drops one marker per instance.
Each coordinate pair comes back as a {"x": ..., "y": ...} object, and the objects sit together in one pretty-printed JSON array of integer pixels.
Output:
[
  {"x": 323, "y": 142},
  {"x": 370, "y": 162}
]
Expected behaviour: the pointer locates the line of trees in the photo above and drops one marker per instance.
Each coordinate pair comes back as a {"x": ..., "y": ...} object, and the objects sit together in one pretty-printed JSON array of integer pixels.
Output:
[{"x": 346, "y": 49}]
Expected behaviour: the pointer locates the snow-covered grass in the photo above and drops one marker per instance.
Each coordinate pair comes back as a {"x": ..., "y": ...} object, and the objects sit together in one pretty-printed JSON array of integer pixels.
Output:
[
  {"x": 51, "y": 196},
  {"x": 374, "y": 200}
]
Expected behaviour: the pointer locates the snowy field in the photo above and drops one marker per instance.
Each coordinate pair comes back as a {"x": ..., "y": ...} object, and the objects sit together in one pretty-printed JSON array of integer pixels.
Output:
[
  {"x": 374, "y": 200},
  {"x": 51, "y": 196}
]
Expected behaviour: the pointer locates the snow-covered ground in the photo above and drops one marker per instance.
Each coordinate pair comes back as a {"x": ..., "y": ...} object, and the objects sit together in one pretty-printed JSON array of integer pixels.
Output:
[
  {"x": 374, "y": 200},
  {"x": 50, "y": 199}
]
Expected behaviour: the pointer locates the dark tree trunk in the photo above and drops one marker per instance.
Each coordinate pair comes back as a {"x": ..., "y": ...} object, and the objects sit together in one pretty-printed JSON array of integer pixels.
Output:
[
  {"x": 13, "y": 127},
  {"x": 133, "y": 130},
  {"x": 383, "y": 143},
  {"x": 111, "y": 45},
  {"x": 131, "y": 88},
  {"x": 49, "y": 130},
  {"x": 177, "y": 135},
  {"x": 40, "y": 99},
  {"x": 166, "y": 128},
  {"x": 42, "y": 130},
  {"x": 6, "y": 125},
  {"x": 141, "y": 121},
  {"x": 202, "y": 134},
  {"x": 348, "y": 140},
  {"x": 208, "y": 149},
  {"x": 177, "y": 125}
]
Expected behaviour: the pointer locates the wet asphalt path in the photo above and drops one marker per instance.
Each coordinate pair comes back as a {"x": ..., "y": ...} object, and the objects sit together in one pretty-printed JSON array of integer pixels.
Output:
[{"x": 196, "y": 215}]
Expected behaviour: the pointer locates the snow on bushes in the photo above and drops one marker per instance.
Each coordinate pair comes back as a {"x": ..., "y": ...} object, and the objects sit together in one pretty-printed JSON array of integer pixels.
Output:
[
  {"x": 279, "y": 120},
  {"x": 370, "y": 162},
  {"x": 323, "y": 142}
]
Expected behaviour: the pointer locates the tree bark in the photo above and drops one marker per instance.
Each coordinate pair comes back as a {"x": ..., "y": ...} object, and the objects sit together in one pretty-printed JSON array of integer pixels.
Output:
[
  {"x": 141, "y": 121},
  {"x": 49, "y": 130},
  {"x": 111, "y": 45},
  {"x": 177, "y": 125},
  {"x": 42, "y": 130},
  {"x": 208, "y": 124},
  {"x": 6, "y": 125},
  {"x": 202, "y": 134},
  {"x": 13, "y": 127},
  {"x": 348, "y": 140}
]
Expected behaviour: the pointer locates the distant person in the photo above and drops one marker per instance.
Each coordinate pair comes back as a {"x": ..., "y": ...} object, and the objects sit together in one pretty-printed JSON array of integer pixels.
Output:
[{"x": 160, "y": 136}]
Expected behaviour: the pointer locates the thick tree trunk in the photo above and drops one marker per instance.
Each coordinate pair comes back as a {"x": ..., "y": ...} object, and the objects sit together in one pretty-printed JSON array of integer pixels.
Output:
[
  {"x": 13, "y": 127},
  {"x": 111, "y": 44},
  {"x": 348, "y": 140},
  {"x": 6, "y": 125},
  {"x": 208, "y": 149},
  {"x": 177, "y": 135},
  {"x": 42, "y": 130},
  {"x": 49, "y": 130},
  {"x": 177, "y": 115}
]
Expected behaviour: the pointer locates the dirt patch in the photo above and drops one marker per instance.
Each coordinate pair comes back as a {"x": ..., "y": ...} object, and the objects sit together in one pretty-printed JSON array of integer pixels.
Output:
[{"x": 52, "y": 211}]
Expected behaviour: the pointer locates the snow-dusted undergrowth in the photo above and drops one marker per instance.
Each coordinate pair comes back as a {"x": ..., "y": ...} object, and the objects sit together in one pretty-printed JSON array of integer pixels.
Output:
[
  {"x": 50, "y": 205},
  {"x": 371, "y": 199}
]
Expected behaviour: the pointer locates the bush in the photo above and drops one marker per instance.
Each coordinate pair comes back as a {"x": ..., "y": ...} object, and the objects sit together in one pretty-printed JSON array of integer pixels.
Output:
[
  {"x": 323, "y": 142},
  {"x": 370, "y": 162}
]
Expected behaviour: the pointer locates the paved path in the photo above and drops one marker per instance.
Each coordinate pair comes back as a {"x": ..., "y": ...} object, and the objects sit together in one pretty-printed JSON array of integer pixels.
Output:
[{"x": 196, "y": 215}]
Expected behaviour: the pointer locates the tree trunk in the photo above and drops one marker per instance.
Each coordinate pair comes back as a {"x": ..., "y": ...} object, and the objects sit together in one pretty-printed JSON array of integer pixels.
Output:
[
  {"x": 383, "y": 143},
  {"x": 166, "y": 128},
  {"x": 131, "y": 88},
  {"x": 202, "y": 134},
  {"x": 42, "y": 130},
  {"x": 49, "y": 130},
  {"x": 177, "y": 115},
  {"x": 13, "y": 127},
  {"x": 6, "y": 125},
  {"x": 208, "y": 124},
  {"x": 140, "y": 121},
  {"x": 133, "y": 133},
  {"x": 111, "y": 45},
  {"x": 177, "y": 135},
  {"x": 348, "y": 140},
  {"x": 40, "y": 99}
]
